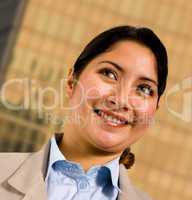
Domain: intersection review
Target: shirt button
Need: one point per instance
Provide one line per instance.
(83, 185)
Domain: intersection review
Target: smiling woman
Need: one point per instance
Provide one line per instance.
(114, 88)
(123, 98)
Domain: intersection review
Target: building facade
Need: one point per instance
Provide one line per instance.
(51, 35)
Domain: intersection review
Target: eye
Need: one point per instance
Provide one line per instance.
(145, 89)
(109, 73)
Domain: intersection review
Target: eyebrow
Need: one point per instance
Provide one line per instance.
(148, 79)
(118, 67)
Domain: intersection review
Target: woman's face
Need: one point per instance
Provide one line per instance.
(115, 98)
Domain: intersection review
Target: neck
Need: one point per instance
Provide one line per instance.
(81, 152)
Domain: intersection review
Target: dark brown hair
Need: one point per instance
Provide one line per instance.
(127, 158)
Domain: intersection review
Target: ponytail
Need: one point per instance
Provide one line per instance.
(127, 158)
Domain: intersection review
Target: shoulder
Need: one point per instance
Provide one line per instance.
(128, 188)
(142, 195)
(10, 162)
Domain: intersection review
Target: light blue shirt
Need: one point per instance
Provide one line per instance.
(67, 180)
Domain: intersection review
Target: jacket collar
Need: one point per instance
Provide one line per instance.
(127, 189)
(29, 178)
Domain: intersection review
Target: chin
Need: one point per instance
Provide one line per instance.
(111, 149)
(109, 145)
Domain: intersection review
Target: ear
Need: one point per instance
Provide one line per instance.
(70, 83)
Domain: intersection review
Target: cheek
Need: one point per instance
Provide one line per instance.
(77, 97)
(93, 92)
(149, 111)
(145, 112)
(88, 93)
(97, 91)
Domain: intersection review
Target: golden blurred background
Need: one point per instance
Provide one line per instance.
(39, 42)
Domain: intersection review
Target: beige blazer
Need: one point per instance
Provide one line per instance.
(22, 177)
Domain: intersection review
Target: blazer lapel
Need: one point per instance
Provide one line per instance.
(127, 190)
(37, 191)
(28, 179)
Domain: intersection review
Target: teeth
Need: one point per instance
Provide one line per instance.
(110, 118)
(101, 113)
(118, 121)
(115, 120)
(105, 116)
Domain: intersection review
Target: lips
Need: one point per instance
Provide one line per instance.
(112, 118)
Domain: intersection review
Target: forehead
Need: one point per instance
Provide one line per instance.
(131, 49)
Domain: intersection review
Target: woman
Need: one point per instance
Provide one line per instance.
(113, 93)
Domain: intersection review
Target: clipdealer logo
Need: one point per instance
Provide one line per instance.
(32, 92)
(34, 95)
(184, 87)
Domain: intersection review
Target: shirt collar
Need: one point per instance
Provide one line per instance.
(113, 167)
(56, 155)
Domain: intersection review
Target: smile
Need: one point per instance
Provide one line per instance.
(111, 118)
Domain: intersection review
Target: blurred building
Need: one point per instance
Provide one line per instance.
(45, 41)
(10, 17)
(19, 129)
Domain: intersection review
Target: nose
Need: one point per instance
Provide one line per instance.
(122, 98)
(116, 102)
